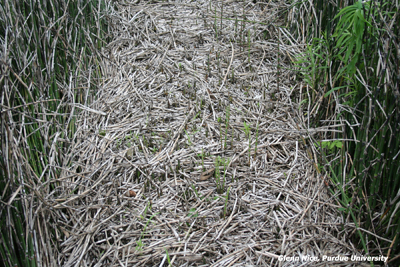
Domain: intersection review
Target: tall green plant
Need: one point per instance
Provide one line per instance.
(378, 130)
(349, 33)
(48, 48)
(359, 85)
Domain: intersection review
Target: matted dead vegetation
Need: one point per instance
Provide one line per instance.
(161, 167)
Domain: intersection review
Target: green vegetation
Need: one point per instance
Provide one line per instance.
(140, 244)
(193, 213)
(49, 63)
(351, 69)
(220, 181)
(168, 258)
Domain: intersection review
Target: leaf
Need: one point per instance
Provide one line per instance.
(349, 51)
(334, 89)
(338, 144)
(343, 39)
(343, 209)
(324, 145)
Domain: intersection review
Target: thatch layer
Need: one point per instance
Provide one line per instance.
(194, 152)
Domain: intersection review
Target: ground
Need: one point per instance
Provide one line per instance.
(196, 151)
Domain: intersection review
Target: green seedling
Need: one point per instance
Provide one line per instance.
(148, 206)
(265, 91)
(139, 243)
(218, 174)
(197, 114)
(102, 132)
(193, 213)
(220, 181)
(168, 259)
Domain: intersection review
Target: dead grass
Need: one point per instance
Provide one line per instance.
(174, 105)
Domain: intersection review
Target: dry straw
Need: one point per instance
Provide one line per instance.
(134, 193)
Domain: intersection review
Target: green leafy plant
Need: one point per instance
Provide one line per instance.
(313, 62)
(196, 191)
(332, 144)
(349, 33)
